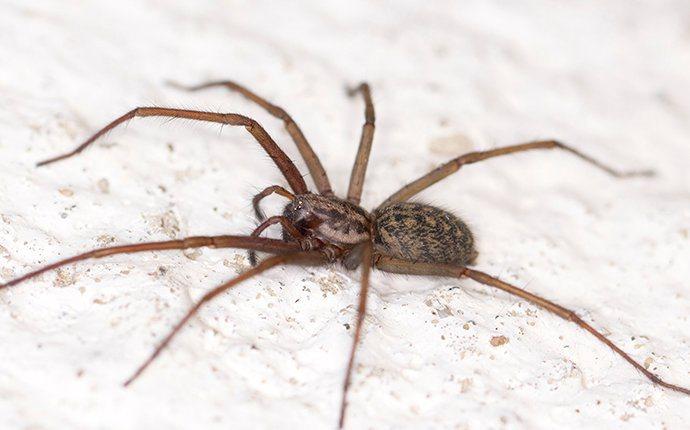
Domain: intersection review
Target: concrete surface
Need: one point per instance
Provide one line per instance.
(609, 77)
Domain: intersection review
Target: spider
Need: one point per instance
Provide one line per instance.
(320, 228)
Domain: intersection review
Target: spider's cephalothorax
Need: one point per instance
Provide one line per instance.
(328, 219)
(398, 236)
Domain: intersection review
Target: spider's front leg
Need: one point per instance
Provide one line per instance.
(241, 242)
(318, 173)
(281, 160)
(452, 166)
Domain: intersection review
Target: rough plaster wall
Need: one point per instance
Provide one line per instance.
(609, 77)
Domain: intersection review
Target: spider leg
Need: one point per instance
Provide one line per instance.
(286, 166)
(314, 165)
(393, 265)
(294, 258)
(277, 189)
(361, 312)
(290, 229)
(455, 164)
(359, 170)
(261, 217)
(242, 242)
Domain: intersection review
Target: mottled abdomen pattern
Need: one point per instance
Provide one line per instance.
(419, 232)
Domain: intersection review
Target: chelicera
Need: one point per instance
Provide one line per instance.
(319, 228)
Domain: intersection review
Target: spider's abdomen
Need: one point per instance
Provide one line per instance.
(419, 232)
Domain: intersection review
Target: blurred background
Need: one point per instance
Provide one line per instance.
(610, 78)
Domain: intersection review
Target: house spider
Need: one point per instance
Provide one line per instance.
(319, 228)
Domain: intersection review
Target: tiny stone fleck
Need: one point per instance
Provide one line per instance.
(648, 362)
(64, 278)
(499, 340)
(103, 186)
(192, 254)
(67, 192)
(170, 224)
(7, 273)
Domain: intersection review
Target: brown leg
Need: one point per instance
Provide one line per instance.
(310, 158)
(399, 266)
(305, 245)
(359, 170)
(361, 312)
(295, 258)
(455, 164)
(286, 166)
(242, 242)
(265, 193)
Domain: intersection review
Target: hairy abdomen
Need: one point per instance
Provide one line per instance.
(419, 232)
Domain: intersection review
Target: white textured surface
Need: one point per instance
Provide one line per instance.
(609, 77)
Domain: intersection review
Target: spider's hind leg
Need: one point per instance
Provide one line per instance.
(455, 164)
(394, 265)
